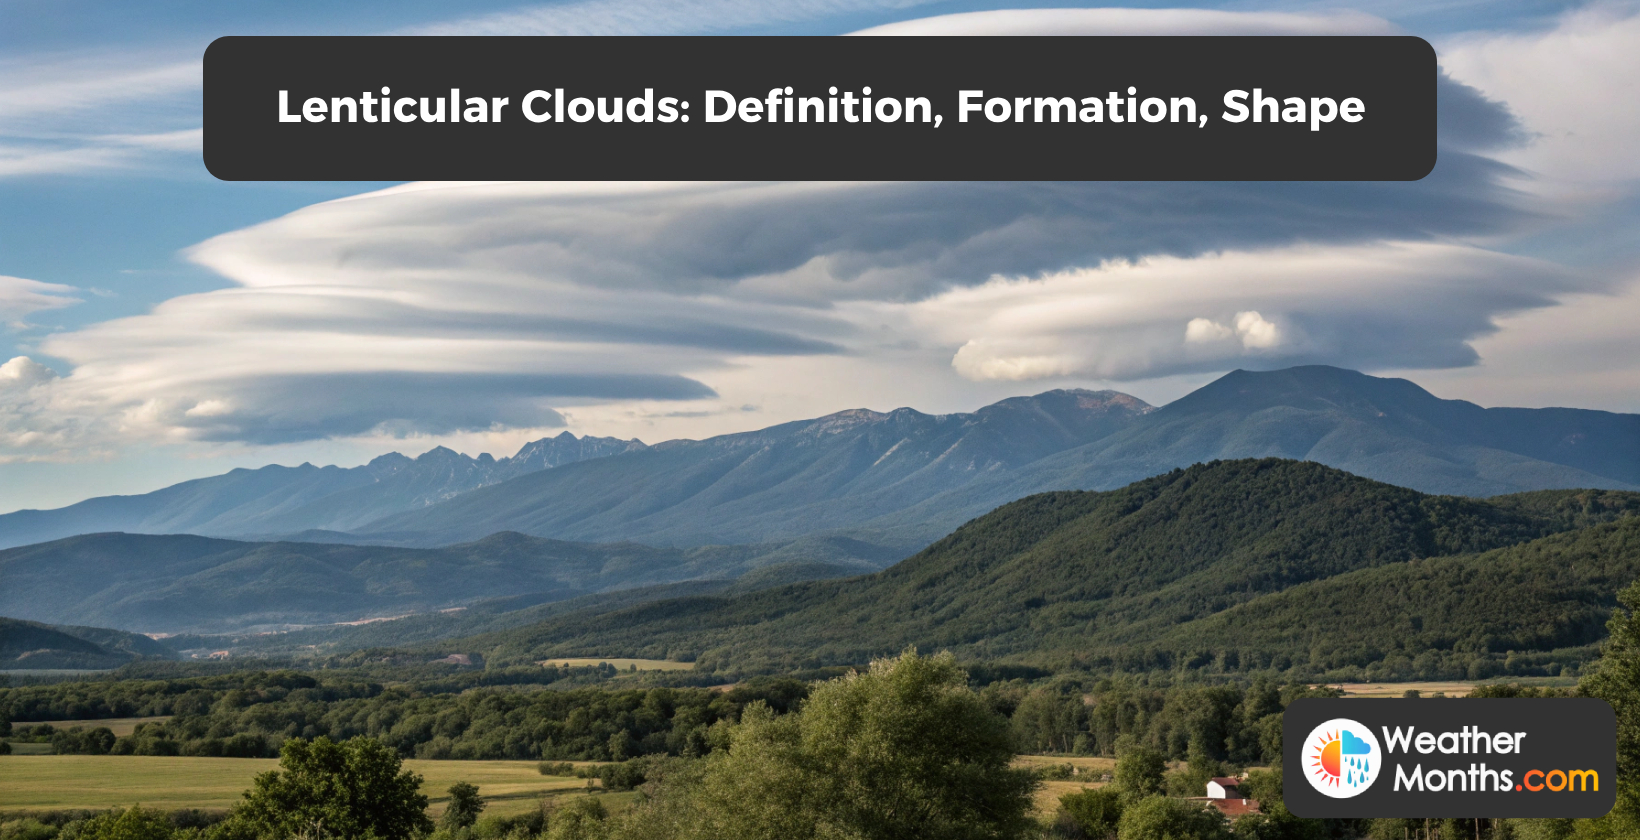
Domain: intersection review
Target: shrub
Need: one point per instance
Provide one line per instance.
(1164, 818)
(464, 808)
(1093, 813)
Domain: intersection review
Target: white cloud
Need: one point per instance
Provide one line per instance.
(57, 111)
(1203, 330)
(35, 424)
(653, 17)
(20, 297)
(22, 372)
(1398, 305)
(81, 154)
(475, 310)
(51, 84)
(458, 309)
(1581, 353)
(1139, 22)
(1574, 87)
(1257, 333)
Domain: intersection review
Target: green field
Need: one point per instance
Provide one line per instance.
(121, 727)
(86, 781)
(46, 782)
(1450, 689)
(624, 664)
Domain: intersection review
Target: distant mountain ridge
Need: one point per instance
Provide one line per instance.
(898, 479)
(182, 583)
(776, 483)
(279, 500)
(810, 476)
(30, 645)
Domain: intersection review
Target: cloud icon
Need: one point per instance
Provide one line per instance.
(1353, 745)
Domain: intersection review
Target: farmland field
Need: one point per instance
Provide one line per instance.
(624, 664)
(1450, 689)
(1089, 771)
(85, 781)
(509, 787)
(121, 727)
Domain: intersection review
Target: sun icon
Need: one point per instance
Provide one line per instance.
(1327, 761)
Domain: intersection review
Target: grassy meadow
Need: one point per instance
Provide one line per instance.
(1089, 768)
(121, 727)
(1450, 689)
(46, 782)
(167, 782)
(621, 664)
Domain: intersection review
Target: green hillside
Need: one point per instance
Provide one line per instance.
(1085, 578)
(1521, 603)
(28, 645)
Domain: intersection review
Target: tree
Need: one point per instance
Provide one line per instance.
(1617, 681)
(1164, 818)
(349, 790)
(465, 806)
(905, 749)
(1047, 721)
(135, 823)
(1192, 780)
(1095, 812)
(584, 818)
(1139, 772)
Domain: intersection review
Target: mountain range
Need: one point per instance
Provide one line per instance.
(1251, 564)
(854, 491)
(899, 479)
(283, 500)
(191, 584)
(904, 479)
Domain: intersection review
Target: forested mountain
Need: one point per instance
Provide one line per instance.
(1134, 578)
(1519, 603)
(282, 500)
(184, 583)
(28, 645)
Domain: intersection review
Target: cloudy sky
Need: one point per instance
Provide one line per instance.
(162, 325)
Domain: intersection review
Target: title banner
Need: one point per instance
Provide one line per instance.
(1524, 757)
(820, 108)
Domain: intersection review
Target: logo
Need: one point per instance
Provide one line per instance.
(1341, 758)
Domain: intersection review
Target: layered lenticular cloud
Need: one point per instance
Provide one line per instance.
(1400, 306)
(443, 308)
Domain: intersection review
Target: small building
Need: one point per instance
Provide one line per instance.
(1224, 787)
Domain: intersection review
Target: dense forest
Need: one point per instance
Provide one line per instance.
(494, 715)
(1155, 576)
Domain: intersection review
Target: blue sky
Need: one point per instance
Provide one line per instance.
(164, 325)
